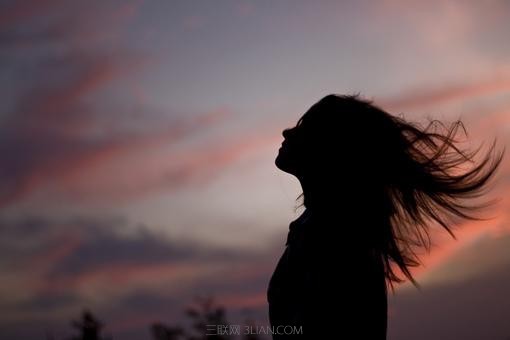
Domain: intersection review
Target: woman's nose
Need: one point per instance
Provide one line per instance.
(286, 133)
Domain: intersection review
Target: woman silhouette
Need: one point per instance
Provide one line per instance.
(372, 184)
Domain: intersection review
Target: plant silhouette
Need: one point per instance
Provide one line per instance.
(162, 332)
(203, 313)
(88, 327)
(208, 322)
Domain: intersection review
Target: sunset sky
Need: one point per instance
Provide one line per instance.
(138, 141)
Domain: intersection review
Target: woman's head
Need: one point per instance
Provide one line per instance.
(348, 153)
(340, 141)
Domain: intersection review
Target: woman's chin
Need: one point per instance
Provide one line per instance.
(279, 162)
(282, 163)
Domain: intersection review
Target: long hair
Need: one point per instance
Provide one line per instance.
(407, 175)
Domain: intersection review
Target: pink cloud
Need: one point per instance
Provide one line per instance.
(425, 97)
(445, 247)
(254, 300)
(479, 121)
(55, 137)
(23, 10)
(59, 141)
(39, 132)
(86, 171)
(143, 274)
(64, 246)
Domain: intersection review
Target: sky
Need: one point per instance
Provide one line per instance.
(138, 141)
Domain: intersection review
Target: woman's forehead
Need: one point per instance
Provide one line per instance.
(313, 116)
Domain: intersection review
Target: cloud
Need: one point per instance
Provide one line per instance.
(19, 12)
(472, 308)
(56, 137)
(32, 25)
(44, 134)
(425, 97)
(59, 138)
(116, 166)
(45, 125)
(484, 121)
(90, 259)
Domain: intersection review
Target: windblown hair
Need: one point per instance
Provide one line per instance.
(412, 176)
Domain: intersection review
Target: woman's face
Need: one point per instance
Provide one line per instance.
(290, 154)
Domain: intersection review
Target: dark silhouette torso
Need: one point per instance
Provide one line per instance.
(326, 284)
